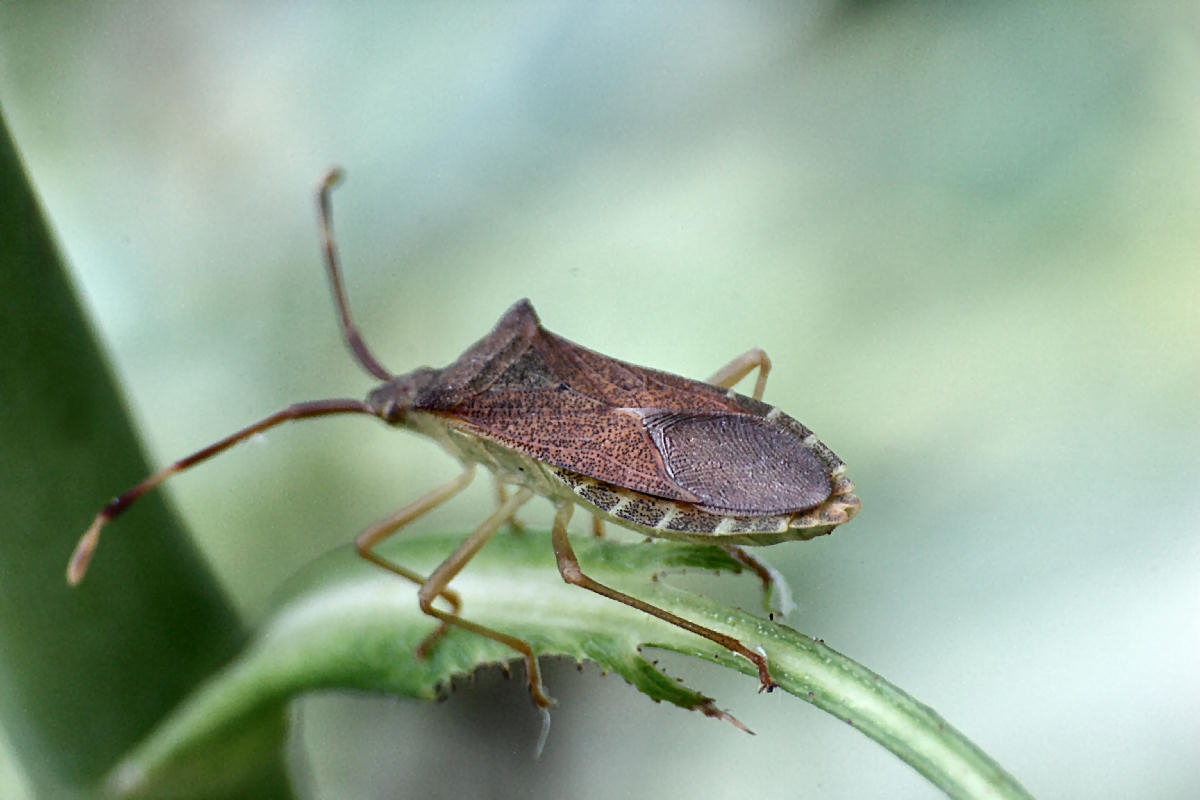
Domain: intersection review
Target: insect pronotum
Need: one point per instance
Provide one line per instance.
(650, 451)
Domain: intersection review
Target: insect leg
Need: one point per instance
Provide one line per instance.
(514, 524)
(597, 527)
(365, 542)
(454, 563)
(774, 584)
(742, 366)
(572, 573)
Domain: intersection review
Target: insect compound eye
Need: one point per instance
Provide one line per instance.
(387, 403)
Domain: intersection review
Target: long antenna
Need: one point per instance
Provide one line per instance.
(350, 333)
(82, 556)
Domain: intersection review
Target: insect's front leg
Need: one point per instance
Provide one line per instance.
(572, 573)
(367, 540)
(742, 366)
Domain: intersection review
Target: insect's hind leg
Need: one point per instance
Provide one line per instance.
(776, 591)
(742, 366)
(366, 541)
(572, 573)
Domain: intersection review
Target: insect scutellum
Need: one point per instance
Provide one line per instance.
(650, 451)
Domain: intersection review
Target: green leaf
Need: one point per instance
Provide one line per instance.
(344, 623)
(85, 673)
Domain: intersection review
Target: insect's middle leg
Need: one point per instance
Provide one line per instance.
(515, 525)
(572, 573)
(436, 585)
(742, 366)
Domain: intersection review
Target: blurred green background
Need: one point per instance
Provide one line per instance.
(967, 235)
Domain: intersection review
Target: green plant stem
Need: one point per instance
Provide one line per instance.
(346, 624)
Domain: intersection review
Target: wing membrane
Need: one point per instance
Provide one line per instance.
(642, 429)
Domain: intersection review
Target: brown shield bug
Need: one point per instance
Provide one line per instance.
(650, 451)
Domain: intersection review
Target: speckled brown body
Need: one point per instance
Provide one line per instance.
(651, 451)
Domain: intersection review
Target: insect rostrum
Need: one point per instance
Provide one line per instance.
(647, 450)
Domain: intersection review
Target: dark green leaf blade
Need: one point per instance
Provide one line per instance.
(85, 672)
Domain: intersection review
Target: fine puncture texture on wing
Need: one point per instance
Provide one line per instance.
(638, 428)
